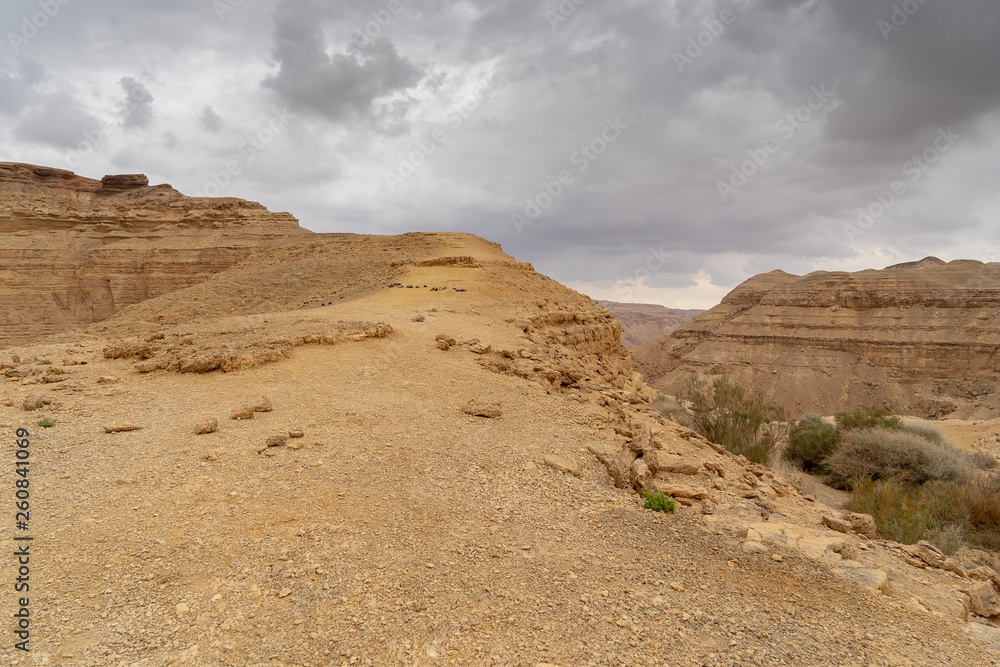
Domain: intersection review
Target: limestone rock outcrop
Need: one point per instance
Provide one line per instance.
(76, 250)
(920, 338)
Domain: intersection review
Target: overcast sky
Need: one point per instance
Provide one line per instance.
(639, 150)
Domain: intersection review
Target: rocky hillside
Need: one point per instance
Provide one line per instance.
(646, 322)
(417, 450)
(76, 250)
(921, 338)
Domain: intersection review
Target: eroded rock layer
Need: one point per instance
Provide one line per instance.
(920, 338)
(75, 250)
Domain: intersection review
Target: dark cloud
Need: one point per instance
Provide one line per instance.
(210, 121)
(138, 104)
(337, 86)
(703, 87)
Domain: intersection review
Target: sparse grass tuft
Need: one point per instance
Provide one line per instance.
(907, 513)
(47, 423)
(660, 502)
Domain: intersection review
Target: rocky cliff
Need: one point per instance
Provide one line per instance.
(647, 322)
(921, 338)
(75, 250)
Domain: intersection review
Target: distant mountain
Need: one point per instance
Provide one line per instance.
(921, 338)
(646, 322)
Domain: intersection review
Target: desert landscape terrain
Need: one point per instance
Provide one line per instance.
(403, 450)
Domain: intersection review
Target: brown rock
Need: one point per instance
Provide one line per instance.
(276, 441)
(447, 339)
(984, 600)
(482, 409)
(243, 412)
(263, 405)
(297, 433)
(122, 427)
(205, 426)
(33, 403)
(443, 345)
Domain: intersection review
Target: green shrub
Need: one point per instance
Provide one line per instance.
(47, 423)
(870, 416)
(810, 443)
(725, 414)
(907, 514)
(885, 453)
(660, 502)
(981, 501)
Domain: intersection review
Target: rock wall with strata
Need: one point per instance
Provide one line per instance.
(75, 250)
(921, 338)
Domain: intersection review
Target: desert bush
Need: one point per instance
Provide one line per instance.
(907, 513)
(869, 416)
(810, 442)
(886, 453)
(928, 434)
(725, 414)
(47, 422)
(659, 502)
(982, 461)
(981, 500)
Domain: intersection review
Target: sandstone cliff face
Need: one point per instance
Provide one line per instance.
(75, 250)
(921, 338)
(646, 322)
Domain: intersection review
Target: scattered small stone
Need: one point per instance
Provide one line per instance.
(244, 412)
(33, 403)
(776, 558)
(448, 339)
(182, 609)
(285, 592)
(676, 586)
(482, 409)
(276, 441)
(296, 433)
(418, 318)
(107, 379)
(443, 345)
(298, 444)
(123, 427)
(530, 467)
(263, 405)
(205, 426)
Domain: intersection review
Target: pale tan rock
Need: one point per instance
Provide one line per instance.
(562, 464)
(952, 565)
(121, 427)
(870, 578)
(296, 433)
(680, 491)
(983, 572)
(482, 409)
(984, 600)
(443, 345)
(205, 426)
(263, 405)
(242, 413)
